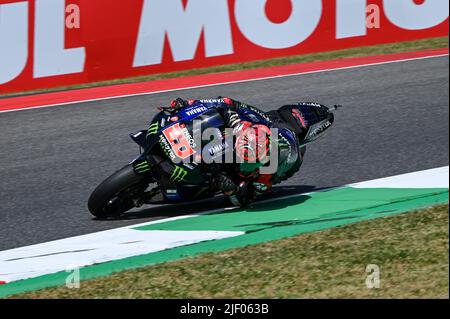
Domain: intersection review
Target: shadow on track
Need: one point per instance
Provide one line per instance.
(222, 202)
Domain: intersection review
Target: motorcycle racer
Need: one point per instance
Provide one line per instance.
(251, 127)
(181, 154)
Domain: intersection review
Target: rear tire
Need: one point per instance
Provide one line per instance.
(104, 201)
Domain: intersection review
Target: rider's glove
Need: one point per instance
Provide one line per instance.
(178, 103)
(175, 105)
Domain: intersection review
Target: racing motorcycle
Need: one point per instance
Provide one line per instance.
(157, 176)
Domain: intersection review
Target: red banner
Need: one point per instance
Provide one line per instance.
(51, 43)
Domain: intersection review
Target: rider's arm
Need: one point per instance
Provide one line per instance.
(229, 110)
(232, 109)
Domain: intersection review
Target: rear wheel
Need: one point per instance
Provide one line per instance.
(114, 195)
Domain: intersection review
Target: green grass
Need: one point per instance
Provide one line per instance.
(410, 249)
(433, 43)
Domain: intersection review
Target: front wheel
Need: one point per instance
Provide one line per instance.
(113, 196)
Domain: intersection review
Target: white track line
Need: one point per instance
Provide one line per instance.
(226, 83)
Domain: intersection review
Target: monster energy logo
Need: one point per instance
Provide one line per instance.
(178, 174)
(153, 129)
(142, 167)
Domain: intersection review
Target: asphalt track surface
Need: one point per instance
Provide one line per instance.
(395, 120)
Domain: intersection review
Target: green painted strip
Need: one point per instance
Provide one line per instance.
(266, 222)
(345, 204)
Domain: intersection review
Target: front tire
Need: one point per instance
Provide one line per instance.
(105, 201)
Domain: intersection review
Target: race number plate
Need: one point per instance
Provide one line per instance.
(180, 140)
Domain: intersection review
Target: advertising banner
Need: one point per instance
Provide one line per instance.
(53, 43)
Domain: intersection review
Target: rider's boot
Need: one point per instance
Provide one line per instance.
(225, 183)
